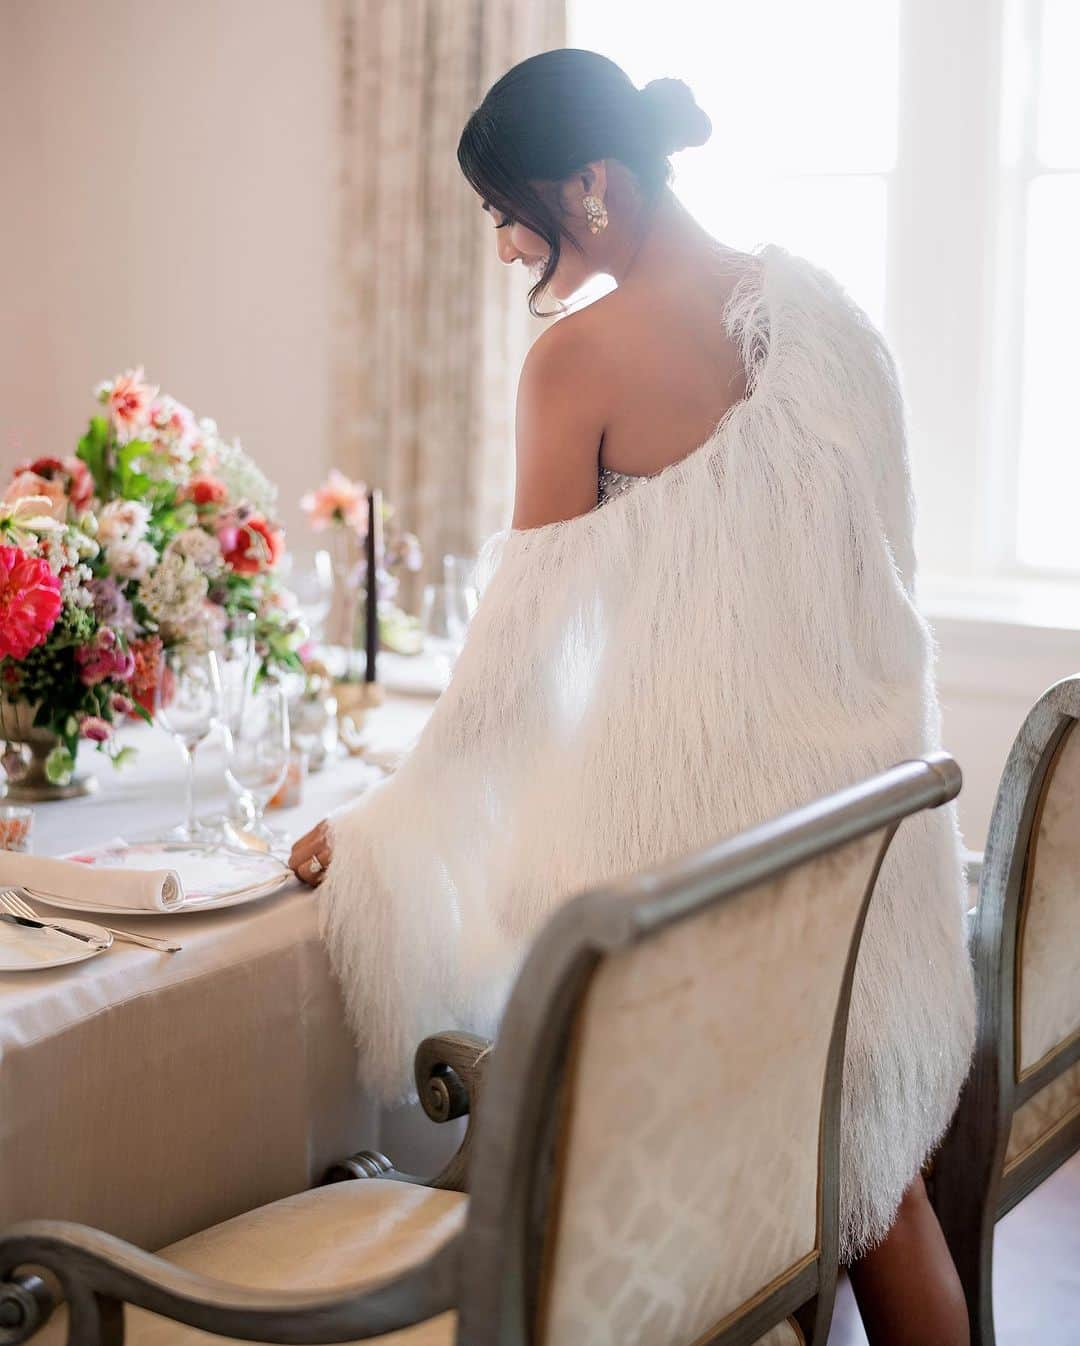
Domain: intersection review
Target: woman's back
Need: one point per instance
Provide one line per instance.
(665, 369)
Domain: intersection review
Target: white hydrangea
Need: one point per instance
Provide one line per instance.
(175, 591)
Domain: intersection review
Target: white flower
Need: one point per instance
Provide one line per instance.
(175, 591)
(199, 546)
(103, 391)
(122, 521)
(130, 560)
(244, 478)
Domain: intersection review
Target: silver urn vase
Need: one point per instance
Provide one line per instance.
(31, 785)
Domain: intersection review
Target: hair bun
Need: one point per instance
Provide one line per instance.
(679, 122)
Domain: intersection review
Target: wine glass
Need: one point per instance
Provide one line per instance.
(187, 701)
(312, 581)
(257, 754)
(459, 572)
(444, 620)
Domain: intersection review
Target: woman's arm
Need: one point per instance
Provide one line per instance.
(560, 424)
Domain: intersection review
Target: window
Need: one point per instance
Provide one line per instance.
(929, 156)
(1048, 190)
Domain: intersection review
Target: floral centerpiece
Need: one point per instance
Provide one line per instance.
(154, 534)
(341, 505)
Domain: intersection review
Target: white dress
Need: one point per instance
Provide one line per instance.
(727, 639)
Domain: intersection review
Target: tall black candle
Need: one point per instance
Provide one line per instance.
(373, 549)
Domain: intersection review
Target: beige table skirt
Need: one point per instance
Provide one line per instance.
(154, 1094)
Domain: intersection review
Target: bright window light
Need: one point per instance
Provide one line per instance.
(803, 101)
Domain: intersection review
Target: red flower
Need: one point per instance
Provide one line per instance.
(29, 602)
(206, 491)
(251, 546)
(143, 681)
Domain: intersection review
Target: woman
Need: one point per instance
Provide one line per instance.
(702, 617)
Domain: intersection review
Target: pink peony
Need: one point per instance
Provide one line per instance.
(104, 658)
(338, 500)
(29, 602)
(94, 728)
(129, 403)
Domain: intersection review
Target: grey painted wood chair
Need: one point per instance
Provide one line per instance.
(1019, 1113)
(656, 1157)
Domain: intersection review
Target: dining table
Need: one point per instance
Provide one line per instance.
(153, 1094)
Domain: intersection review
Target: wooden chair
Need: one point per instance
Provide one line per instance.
(656, 1158)
(1019, 1113)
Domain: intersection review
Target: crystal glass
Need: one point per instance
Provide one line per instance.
(187, 701)
(459, 572)
(444, 619)
(311, 579)
(257, 754)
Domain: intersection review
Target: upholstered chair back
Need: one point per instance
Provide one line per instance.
(1047, 992)
(672, 1060)
(1018, 1118)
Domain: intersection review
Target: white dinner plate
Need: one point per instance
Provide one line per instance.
(212, 876)
(23, 948)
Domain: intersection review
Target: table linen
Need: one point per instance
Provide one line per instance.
(155, 1094)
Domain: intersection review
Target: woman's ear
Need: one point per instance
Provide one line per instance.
(591, 180)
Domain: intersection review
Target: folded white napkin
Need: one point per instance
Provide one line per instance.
(72, 884)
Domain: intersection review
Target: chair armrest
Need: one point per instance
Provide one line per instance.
(100, 1273)
(449, 1071)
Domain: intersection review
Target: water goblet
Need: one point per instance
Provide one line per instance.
(187, 701)
(257, 756)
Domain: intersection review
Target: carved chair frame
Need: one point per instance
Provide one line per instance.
(969, 1187)
(489, 1273)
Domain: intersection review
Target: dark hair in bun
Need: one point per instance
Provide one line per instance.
(679, 122)
(550, 115)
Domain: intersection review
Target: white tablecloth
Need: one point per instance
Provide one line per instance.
(153, 1094)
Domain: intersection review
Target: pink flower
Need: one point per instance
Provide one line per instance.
(26, 484)
(338, 500)
(94, 728)
(251, 546)
(122, 705)
(29, 602)
(103, 658)
(129, 404)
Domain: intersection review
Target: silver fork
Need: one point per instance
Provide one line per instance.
(14, 899)
(12, 908)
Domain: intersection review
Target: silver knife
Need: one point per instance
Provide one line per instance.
(51, 925)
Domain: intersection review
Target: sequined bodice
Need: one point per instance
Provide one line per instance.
(612, 483)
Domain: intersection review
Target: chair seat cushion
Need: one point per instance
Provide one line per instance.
(349, 1232)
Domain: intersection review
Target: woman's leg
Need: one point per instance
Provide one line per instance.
(907, 1288)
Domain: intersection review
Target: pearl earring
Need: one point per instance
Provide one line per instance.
(595, 212)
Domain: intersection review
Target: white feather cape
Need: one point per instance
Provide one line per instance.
(720, 643)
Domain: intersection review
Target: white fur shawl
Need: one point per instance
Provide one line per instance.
(721, 642)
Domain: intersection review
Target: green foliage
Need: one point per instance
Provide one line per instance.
(94, 451)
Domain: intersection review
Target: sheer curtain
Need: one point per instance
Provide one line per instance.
(431, 328)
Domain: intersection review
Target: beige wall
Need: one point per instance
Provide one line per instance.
(168, 184)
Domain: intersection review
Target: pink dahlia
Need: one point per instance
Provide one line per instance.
(29, 602)
(129, 402)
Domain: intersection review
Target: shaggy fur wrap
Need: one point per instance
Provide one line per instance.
(725, 641)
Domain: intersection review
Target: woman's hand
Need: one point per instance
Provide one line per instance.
(310, 857)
